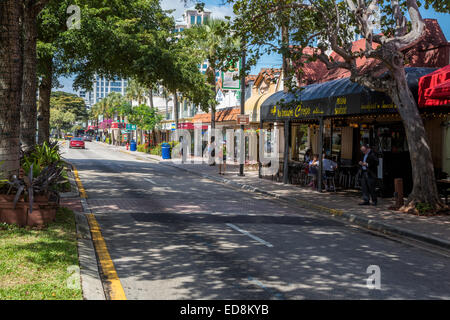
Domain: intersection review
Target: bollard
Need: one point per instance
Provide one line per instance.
(398, 186)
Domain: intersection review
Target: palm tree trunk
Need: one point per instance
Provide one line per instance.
(45, 90)
(10, 86)
(29, 87)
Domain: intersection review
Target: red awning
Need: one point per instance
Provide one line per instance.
(434, 88)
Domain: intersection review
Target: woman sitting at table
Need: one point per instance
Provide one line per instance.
(313, 166)
(329, 166)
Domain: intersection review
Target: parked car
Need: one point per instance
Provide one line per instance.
(87, 138)
(76, 143)
(68, 136)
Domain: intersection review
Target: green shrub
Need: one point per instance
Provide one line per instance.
(424, 208)
(157, 151)
(142, 148)
(40, 157)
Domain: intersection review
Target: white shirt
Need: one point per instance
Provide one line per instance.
(328, 165)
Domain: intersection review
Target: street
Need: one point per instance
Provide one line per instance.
(174, 235)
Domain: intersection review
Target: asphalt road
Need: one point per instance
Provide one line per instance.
(174, 235)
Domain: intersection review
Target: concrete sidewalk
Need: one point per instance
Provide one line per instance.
(433, 230)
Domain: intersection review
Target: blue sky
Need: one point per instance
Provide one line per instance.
(274, 61)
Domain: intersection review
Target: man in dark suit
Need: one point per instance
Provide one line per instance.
(369, 168)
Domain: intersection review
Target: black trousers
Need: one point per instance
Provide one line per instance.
(368, 184)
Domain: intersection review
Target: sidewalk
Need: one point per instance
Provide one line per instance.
(434, 230)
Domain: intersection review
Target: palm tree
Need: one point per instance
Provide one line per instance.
(10, 86)
(135, 92)
(210, 40)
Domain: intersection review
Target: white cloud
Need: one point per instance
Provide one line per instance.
(220, 12)
(178, 5)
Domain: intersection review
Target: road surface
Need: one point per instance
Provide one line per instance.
(175, 235)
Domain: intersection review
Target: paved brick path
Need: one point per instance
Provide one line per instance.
(436, 226)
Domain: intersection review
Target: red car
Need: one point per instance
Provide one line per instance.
(76, 143)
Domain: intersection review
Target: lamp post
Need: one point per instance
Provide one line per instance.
(241, 165)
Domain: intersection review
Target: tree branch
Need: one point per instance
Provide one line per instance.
(282, 8)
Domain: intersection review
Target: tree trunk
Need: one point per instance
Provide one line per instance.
(29, 86)
(10, 86)
(175, 105)
(151, 98)
(424, 182)
(45, 90)
(286, 71)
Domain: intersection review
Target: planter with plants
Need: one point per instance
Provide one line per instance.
(32, 199)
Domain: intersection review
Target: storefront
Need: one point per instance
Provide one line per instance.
(339, 117)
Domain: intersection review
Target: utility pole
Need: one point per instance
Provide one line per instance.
(241, 165)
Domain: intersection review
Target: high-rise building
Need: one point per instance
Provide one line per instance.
(101, 88)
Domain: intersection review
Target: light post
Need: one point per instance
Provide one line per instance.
(241, 165)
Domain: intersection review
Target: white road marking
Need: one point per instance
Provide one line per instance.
(250, 235)
(151, 181)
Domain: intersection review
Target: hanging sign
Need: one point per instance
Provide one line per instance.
(230, 76)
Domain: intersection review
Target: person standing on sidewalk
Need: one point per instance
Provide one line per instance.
(369, 169)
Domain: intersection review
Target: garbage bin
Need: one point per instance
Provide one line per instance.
(133, 146)
(165, 148)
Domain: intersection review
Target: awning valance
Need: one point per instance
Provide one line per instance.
(333, 98)
(434, 88)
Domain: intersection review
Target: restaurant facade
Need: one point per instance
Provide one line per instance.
(340, 116)
(336, 116)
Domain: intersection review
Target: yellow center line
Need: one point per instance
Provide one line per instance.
(106, 263)
(79, 184)
(109, 271)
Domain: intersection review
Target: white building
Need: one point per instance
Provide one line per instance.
(101, 88)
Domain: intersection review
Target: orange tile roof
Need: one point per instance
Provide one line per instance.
(229, 114)
(432, 51)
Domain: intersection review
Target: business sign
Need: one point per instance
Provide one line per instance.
(118, 125)
(242, 119)
(173, 127)
(230, 76)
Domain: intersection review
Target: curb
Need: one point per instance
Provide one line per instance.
(366, 223)
(91, 283)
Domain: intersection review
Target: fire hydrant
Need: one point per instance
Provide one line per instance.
(128, 144)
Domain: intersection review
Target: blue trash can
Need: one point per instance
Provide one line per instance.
(133, 146)
(165, 148)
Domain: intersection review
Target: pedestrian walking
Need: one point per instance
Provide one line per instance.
(369, 170)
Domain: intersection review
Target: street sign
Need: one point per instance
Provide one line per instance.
(242, 119)
(230, 77)
(131, 126)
